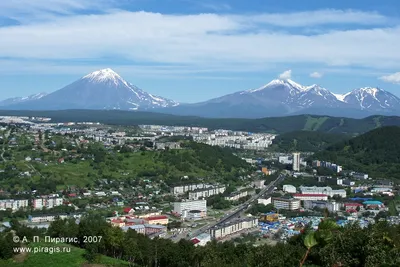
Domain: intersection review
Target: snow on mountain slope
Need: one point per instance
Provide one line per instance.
(370, 98)
(102, 89)
(282, 97)
(316, 95)
(16, 100)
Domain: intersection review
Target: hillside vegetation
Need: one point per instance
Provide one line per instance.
(376, 152)
(195, 160)
(275, 124)
(307, 141)
(330, 245)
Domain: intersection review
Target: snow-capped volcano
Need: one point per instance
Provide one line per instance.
(102, 89)
(291, 86)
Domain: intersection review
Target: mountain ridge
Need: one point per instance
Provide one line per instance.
(105, 89)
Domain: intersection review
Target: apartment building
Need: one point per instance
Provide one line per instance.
(12, 204)
(332, 206)
(185, 206)
(296, 162)
(311, 196)
(181, 189)
(229, 228)
(208, 192)
(235, 196)
(40, 203)
(286, 203)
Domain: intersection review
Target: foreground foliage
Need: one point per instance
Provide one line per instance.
(377, 245)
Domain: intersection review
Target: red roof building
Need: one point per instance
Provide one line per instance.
(128, 210)
(352, 207)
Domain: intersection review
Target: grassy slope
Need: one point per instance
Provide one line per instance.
(74, 258)
(276, 124)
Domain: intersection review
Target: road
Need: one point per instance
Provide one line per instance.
(236, 212)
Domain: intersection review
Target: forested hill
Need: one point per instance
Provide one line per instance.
(275, 124)
(376, 152)
(307, 141)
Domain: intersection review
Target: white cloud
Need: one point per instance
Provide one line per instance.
(198, 41)
(316, 74)
(322, 17)
(286, 75)
(392, 78)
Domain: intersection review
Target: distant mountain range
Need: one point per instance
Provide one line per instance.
(105, 89)
(286, 97)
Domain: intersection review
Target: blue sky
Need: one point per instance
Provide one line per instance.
(194, 50)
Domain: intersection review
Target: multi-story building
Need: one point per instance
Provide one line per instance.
(296, 162)
(311, 196)
(332, 206)
(208, 192)
(40, 203)
(237, 195)
(13, 204)
(185, 206)
(286, 203)
(229, 228)
(323, 190)
(181, 189)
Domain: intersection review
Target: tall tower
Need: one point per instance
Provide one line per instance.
(296, 161)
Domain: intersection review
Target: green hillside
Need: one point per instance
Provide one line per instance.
(376, 152)
(194, 160)
(275, 124)
(307, 141)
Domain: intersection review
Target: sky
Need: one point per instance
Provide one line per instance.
(195, 50)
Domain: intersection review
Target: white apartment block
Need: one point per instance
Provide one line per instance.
(208, 192)
(311, 197)
(40, 203)
(286, 203)
(296, 162)
(14, 205)
(323, 190)
(188, 205)
(218, 232)
(237, 195)
(179, 190)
